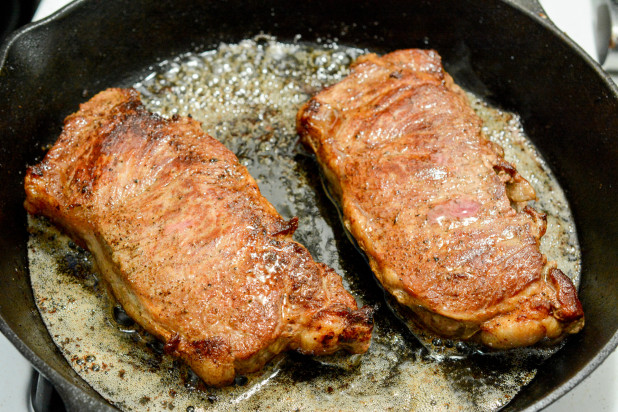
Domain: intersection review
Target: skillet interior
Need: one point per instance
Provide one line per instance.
(494, 48)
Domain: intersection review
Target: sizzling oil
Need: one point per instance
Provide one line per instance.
(247, 96)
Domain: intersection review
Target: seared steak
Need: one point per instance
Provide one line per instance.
(188, 245)
(438, 211)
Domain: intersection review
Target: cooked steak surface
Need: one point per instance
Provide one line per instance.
(186, 242)
(440, 214)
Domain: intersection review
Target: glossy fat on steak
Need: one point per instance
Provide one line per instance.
(438, 211)
(187, 243)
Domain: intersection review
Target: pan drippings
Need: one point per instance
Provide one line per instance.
(247, 96)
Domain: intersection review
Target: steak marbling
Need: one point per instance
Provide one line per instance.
(187, 243)
(440, 214)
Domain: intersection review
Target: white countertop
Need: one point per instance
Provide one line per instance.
(598, 392)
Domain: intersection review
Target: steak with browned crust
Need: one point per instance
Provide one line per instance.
(187, 243)
(440, 214)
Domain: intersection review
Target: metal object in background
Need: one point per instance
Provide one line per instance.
(43, 396)
(605, 14)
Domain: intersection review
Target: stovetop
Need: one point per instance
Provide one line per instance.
(598, 392)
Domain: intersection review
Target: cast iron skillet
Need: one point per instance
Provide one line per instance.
(505, 50)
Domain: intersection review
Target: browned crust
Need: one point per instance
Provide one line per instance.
(441, 215)
(188, 245)
(567, 307)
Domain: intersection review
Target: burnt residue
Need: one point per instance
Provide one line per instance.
(77, 264)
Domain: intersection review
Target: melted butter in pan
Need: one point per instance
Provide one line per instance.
(247, 96)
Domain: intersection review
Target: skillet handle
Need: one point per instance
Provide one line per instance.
(44, 397)
(75, 401)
